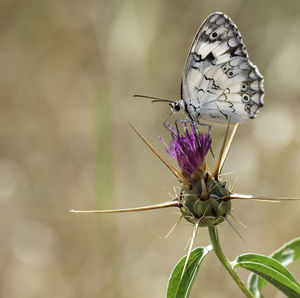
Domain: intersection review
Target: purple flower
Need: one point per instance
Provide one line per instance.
(188, 149)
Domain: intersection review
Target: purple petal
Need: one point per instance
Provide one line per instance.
(188, 149)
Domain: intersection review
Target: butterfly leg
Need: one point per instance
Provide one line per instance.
(166, 124)
(183, 123)
(209, 126)
(194, 124)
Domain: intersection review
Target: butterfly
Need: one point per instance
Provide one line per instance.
(219, 81)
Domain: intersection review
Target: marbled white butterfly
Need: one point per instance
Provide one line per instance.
(219, 81)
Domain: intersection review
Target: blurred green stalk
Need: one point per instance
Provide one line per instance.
(104, 168)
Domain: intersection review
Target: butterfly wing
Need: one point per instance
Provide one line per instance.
(219, 81)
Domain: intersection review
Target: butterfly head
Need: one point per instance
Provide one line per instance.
(177, 106)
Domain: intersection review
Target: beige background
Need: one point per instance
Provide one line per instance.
(68, 71)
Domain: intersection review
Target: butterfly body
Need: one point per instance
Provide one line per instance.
(219, 81)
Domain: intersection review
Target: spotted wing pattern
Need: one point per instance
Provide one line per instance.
(219, 81)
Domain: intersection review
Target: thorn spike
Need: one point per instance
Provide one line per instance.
(226, 151)
(216, 170)
(173, 228)
(175, 171)
(196, 226)
(235, 196)
(145, 208)
(233, 227)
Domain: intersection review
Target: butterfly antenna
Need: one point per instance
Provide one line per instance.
(154, 99)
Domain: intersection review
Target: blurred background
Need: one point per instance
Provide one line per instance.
(68, 73)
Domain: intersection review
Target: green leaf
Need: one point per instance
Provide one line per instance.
(272, 271)
(286, 255)
(181, 287)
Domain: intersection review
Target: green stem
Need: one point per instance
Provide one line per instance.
(218, 251)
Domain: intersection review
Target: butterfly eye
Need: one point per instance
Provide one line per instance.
(177, 107)
(245, 98)
(244, 87)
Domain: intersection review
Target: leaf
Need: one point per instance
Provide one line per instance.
(180, 287)
(286, 255)
(272, 271)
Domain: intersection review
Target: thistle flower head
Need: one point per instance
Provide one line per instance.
(188, 149)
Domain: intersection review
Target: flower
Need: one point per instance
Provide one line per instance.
(188, 149)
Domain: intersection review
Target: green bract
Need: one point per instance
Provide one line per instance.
(210, 208)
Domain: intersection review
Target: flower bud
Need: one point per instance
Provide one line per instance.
(211, 206)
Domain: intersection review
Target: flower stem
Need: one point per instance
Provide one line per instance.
(218, 251)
